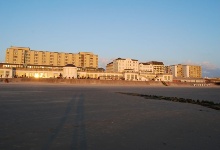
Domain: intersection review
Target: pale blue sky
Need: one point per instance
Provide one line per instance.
(172, 31)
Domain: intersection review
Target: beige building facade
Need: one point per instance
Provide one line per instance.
(72, 72)
(146, 67)
(8, 70)
(158, 67)
(109, 67)
(122, 64)
(132, 65)
(186, 71)
(192, 71)
(24, 55)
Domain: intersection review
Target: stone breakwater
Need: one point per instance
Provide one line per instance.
(95, 81)
(204, 103)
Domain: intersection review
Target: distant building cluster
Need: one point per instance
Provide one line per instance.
(121, 65)
(24, 62)
(154, 67)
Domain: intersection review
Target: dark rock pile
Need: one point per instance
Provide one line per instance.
(204, 103)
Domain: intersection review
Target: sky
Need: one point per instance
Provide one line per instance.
(171, 31)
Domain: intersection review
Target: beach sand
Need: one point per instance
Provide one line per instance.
(93, 117)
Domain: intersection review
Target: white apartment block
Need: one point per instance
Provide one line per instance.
(121, 65)
(154, 67)
(146, 68)
(132, 65)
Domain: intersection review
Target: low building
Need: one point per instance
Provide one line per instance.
(70, 71)
(37, 71)
(164, 77)
(193, 80)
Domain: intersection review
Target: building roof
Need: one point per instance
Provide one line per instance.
(70, 65)
(186, 65)
(145, 63)
(125, 59)
(134, 59)
(120, 59)
(110, 63)
(155, 63)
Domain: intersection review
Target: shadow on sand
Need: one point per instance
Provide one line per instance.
(79, 133)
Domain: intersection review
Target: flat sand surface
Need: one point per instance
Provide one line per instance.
(92, 117)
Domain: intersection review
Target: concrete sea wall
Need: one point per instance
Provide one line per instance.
(95, 81)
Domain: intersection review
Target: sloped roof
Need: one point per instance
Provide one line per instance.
(120, 59)
(145, 63)
(155, 63)
(70, 65)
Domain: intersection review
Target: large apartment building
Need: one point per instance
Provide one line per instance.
(187, 71)
(24, 55)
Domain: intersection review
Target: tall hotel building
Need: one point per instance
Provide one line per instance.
(23, 55)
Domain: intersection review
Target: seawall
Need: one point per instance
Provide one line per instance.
(95, 81)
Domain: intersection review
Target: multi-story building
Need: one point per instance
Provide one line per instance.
(192, 71)
(186, 71)
(88, 59)
(109, 67)
(158, 67)
(167, 69)
(121, 65)
(23, 55)
(146, 67)
(177, 70)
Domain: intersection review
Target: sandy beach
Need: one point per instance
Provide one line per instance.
(42, 116)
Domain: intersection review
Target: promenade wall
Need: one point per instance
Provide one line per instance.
(79, 81)
(93, 81)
